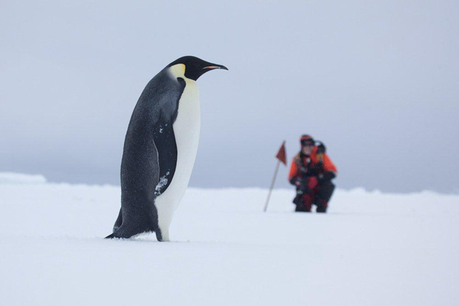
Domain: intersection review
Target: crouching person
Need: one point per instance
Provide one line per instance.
(311, 172)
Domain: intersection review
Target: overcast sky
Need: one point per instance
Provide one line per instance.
(376, 81)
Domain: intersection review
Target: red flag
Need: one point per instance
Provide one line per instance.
(282, 155)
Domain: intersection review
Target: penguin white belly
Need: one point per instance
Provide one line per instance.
(186, 130)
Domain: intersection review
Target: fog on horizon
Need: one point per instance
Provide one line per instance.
(377, 82)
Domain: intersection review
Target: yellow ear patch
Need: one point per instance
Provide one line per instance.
(178, 70)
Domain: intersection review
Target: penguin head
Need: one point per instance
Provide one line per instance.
(195, 67)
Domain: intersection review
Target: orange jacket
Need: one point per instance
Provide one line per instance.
(314, 159)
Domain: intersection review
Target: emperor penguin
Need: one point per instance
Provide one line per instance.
(160, 149)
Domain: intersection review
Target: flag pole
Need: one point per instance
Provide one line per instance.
(272, 185)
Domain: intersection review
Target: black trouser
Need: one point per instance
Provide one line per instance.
(323, 196)
(319, 196)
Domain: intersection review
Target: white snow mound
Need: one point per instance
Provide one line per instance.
(21, 178)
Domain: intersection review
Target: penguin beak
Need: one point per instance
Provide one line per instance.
(214, 66)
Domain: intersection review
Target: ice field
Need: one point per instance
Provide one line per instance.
(370, 249)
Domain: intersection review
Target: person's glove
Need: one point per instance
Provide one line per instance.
(302, 187)
(297, 181)
(294, 180)
(327, 176)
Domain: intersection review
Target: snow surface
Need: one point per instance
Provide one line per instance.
(370, 249)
